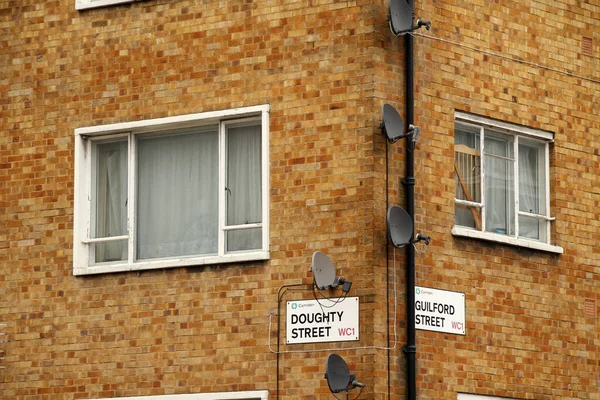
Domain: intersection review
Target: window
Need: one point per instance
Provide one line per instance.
(176, 191)
(502, 182)
(83, 4)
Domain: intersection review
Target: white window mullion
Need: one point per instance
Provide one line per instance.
(516, 184)
(266, 191)
(547, 186)
(105, 239)
(222, 186)
(468, 203)
(482, 183)
(131, 201)
(83, 203)
(88, 200)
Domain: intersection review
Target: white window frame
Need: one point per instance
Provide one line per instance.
(516, 131)
(82, 240)
(85, 4)
(249, 395)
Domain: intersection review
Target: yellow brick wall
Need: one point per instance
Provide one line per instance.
(325, 68)
(183, 330)
(528, 335)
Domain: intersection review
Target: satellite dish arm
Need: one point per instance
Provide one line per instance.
(413, 131)
(420, 23)
(419, 238)
(356, 383)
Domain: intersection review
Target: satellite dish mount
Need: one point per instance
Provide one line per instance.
(400, 18)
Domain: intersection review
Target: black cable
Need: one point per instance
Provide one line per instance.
(358, 395)
(337, 301)
(279, 297)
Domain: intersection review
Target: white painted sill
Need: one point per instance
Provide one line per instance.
(85, 4)
(495, 237)
(103, 268)
(250, 395)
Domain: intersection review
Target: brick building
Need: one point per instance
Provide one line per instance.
(123, 276)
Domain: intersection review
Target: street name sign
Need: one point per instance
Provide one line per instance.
(439, 310)
(326, 320)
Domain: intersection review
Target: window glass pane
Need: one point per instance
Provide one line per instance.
(530, 227)
(499, 184)
(467, 135)
(244, 186)
(499, 145)
(532, 182)
(532, 189)
(467, 175)
(243, 239)
(467, 216)
(177, 196)
(109, 199)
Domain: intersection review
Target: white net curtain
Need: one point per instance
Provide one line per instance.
(177, 193)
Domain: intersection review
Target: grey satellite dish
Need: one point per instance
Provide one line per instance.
(400, 16)
(393, 125)
(400, 226)
(323, 271)
(338, 375)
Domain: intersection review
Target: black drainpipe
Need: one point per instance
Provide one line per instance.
(409, 183)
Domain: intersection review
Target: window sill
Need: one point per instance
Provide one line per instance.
(250, 395)
(85, 4)
(171, 263)
(494, 237)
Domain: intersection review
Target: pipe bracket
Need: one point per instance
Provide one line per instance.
(409, 349)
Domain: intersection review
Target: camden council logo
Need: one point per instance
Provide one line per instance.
(301, 304)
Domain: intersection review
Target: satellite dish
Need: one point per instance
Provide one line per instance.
(400, 16)
(393, 126)
(337, 373)
(323, 270)
(400, 226)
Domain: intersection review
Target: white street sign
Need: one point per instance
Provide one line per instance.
(326, 320)
(440, 310)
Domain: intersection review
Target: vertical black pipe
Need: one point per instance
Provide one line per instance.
(409, 182)
(387, 277)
